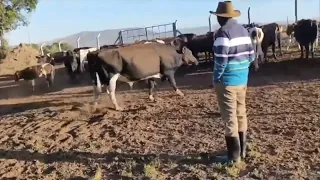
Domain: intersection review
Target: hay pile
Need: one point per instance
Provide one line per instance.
(18, 58)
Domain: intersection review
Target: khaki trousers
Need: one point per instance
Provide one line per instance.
(232, 105)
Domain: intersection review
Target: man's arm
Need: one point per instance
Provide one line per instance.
(251, 54)
(221, 51)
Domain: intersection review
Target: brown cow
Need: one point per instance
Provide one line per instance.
(33, 72)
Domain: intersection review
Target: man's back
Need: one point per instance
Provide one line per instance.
(233, 54)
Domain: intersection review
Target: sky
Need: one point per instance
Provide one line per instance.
(59, 18)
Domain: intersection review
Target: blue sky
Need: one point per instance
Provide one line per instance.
(58, 18)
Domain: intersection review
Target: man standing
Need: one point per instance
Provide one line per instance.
(233, 54)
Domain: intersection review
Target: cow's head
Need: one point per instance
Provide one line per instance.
(290, 29)
(45, 59)
(17, 76)
(187, 56)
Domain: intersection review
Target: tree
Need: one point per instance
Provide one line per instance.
(54, 47)
(13, 13)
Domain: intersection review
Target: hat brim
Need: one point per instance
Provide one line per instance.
(235, 13)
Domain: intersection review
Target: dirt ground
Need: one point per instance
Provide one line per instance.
(52, 134)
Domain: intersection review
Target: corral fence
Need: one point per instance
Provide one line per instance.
(129, 36)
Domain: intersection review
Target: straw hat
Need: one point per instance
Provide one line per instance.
(225, 9)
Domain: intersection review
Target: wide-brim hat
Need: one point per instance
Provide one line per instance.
(226, 9)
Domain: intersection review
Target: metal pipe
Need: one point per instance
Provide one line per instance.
(210, 21)
(98, 41)
(296, 9)
(249, 19)
(78, 42)
(60, 46)
(41, 48)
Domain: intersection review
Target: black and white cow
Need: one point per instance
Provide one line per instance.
(137, 62)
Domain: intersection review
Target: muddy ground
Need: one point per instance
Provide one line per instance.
(52, 134)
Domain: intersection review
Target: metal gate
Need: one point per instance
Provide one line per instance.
(158, 31)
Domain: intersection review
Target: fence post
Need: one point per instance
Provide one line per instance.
(78, 42)
(98, 41)
(146, 31)
(174, 28)
(210, 22)
(60, 46)
(41, 48)
(120, 37)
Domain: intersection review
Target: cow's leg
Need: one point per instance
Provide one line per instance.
(151, 84)
(265, 50)
(256, 63)
(33, 83)
(49, 78)
(131, 85)
(312, 50)
(307, 51)
(279, 43)
(112, 89)
(172, 81)
(274, 51)
(301, 51)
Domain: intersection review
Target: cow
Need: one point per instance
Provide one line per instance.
(109, 46)
(290, 34)
(135, 63)
(187, 37)
(306, 32)
(272, 34)
(256, 34)
(201, 43)
(154, 41)
(72, 64)
(33, 72)
(42, 59)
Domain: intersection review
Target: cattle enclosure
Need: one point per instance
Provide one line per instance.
(54, 135)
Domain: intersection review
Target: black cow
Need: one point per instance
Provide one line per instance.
(305, 32)
(72, 64)
(187, 37)
(272, 33)
(202, 43)
(137, 62)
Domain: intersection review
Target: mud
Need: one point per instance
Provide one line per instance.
(52, 134)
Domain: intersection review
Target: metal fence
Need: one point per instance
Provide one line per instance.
(157, 31)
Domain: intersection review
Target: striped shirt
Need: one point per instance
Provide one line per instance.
(233, 54)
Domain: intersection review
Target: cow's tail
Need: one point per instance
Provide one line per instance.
(278, 35)
(98, 83)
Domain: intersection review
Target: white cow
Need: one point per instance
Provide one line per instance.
(256, 35)
(156, 40)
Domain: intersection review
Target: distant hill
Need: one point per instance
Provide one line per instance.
(88, 38)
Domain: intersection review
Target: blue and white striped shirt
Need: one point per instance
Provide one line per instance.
(233, 54)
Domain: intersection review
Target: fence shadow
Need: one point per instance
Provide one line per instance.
(6, 109)
(86, 158)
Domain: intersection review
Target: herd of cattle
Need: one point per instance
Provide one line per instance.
(159, 58)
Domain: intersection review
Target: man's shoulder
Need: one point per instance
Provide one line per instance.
(231, 29)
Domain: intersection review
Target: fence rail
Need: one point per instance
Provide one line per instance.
(131, 35)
